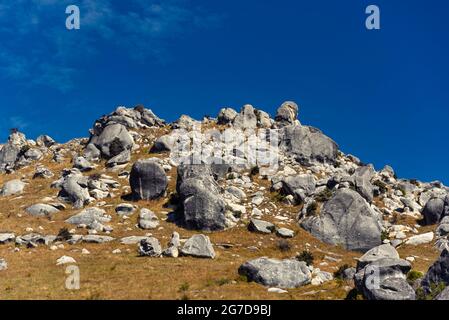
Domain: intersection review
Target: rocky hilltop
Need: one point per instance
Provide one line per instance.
(233, 207)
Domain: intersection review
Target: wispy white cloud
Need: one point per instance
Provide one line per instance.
(37, 49)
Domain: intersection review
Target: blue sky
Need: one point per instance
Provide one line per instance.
(381, 95)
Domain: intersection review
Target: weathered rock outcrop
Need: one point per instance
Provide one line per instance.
(347, 220)
(308, 144)
(202, 206)
(381, 275)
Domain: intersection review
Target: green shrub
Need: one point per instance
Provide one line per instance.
(435, 290)
(384, 236)
(339, 273)
(324, 195)
(63, 235)
(306, 256)
(278, 197)
(414, 275)
(184, 287)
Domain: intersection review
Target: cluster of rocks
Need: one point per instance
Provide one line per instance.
(19, 152)
(80, 190)
(111, 138)
(32, 240)
(198, 246)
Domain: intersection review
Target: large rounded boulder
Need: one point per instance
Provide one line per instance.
(433, 211)
(148, 180)
(346, 220)
(203, 206)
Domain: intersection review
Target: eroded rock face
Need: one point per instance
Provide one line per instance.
(362, 180)
(148, 180)
(347, 220)
(246, 119)
(308, 144)
(287, 114)
(202, 204)
(277, 273)
(381, 275)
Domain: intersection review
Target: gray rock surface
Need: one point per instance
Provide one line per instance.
(287, 113)
(7, 237)
(362, 180)
(260, 226)
(150, 247)
(13, 187)
(125, 209)
(148, 220)
(347, 220)
(120, 159)
(377, 253)
(41, 210)
(384, 279)
(226, 115)
(202, 204)
(299, 186)
(113, 140)
(308, 145)
(148, 180)
(277, 273)
(74, 190)
(246, 119)
(433, 211)
(285, 233)
(92, 218)
(198, 246)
